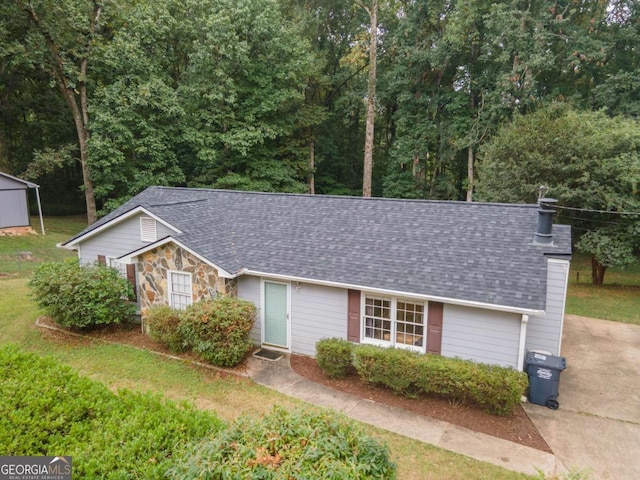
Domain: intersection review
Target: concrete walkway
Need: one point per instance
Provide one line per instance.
(597, 427)
(279, 376)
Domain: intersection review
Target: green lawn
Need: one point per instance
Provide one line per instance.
(618, 299)
(123, 366)
(43, 248)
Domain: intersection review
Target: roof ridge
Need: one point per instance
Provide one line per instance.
(346, 197)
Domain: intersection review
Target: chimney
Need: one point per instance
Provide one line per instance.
(543, 234)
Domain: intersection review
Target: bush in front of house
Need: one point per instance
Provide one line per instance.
(163, 323)
(218, 330)
(495, 389)
(299, 444)
(334, 356)
(82, 297)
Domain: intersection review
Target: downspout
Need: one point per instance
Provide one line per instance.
(40, 209)
(523, 337)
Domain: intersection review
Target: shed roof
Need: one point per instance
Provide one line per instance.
(477, 252)
(18, 182)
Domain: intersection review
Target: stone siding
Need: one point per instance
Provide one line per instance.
(152, 268)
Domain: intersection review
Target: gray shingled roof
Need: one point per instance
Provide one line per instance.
(477, 252)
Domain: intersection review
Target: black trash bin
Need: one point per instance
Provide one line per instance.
(544, 378)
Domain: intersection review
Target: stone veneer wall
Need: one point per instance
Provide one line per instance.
(152, 267)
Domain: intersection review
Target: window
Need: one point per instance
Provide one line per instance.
(410, 324)
(394, 322)
(377, 318)
(118, 265)
(180, 296)
(148, 229)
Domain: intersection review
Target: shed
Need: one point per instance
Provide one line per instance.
(14, 204)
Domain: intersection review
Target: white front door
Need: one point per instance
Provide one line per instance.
(276, 314)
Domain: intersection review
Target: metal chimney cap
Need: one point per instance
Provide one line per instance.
(550, 203)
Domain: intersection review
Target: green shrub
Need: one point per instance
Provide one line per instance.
(496, 389)
(218, 330)
(163, 323)
(82, 297)
(46, 408)
(284, 445)
(334, 356)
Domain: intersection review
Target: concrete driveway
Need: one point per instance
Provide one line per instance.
(597, 427)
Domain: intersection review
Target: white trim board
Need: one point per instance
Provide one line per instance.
(115, 221)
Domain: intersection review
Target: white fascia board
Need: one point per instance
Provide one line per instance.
(25, 182)
(163, 241)
(396, 293)
(117, 220)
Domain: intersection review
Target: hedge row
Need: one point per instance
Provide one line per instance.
(496, 389)
(47, 409)
(216, 330)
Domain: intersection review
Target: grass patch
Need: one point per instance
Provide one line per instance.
(43, 248)
(617, 300)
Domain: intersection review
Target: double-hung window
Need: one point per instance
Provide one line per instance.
(394, 322)
(180, 293)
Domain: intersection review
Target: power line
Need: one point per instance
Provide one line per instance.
(595, 211)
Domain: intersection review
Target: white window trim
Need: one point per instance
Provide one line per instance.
(394, 322)
(148, 232)
(170, 291)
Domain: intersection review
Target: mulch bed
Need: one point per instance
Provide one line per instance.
(516, 427)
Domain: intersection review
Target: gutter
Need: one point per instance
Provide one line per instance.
(433, 298)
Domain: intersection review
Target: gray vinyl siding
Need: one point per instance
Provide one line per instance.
(481, 335)
(13, 207)
(249, 289)
(316, 312)
(118, 240)
(545, 332)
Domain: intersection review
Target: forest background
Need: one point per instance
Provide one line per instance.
(450, 99)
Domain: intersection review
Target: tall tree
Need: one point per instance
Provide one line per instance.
(60, 41)
(591, 164)
(367, 175)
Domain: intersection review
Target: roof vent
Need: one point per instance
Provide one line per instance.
(544, 234)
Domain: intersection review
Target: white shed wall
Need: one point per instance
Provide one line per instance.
(13, 208)
(481, 335)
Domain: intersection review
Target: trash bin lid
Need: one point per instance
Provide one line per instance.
(545, 360)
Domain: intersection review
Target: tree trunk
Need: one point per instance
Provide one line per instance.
(597, 272)
(371, 100)
(312, 168)
(470, 174)
(78, 106)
